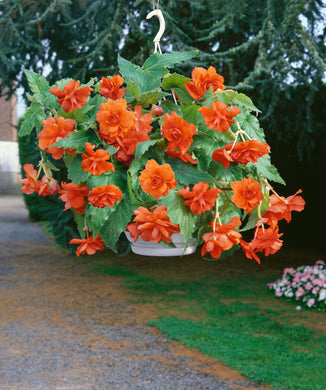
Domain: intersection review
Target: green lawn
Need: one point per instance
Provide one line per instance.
(224, 309)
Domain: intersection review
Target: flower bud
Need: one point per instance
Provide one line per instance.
(157, 110)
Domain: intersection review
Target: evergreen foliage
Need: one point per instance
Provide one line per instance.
(264, 46)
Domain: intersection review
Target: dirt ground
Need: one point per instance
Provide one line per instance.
(63, 327)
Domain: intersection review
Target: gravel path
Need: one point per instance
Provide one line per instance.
(64, 328)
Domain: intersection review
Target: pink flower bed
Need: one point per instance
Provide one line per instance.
(305, 285)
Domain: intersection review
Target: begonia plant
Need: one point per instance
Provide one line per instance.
(153, 152)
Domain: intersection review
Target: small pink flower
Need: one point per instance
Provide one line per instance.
(311, 302)
(300, 291)
(320, 262)
(308, 286)
(315, 290)
(289, 271)
(278, 293)
(319, 282)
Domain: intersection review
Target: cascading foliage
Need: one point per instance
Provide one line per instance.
(153, 152)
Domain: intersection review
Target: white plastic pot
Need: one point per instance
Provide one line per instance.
(149, 248)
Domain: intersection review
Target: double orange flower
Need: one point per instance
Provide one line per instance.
(203, 80)
(156, 179)
(95, 162)
(201, 198)
(72, 97)
(54, 129)
(241, 152)
(152, 225)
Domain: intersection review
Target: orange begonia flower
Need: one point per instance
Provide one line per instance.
(95, 161)
(71, 98)
(156, 179)
(178, 132)
(115, 120)
(222, 238)
(74, 196)
(265, 240)
(30, 184)
(249, 250)
(219, 117)
(88, 245)
(281, 208)
(127, 143)
(53, 131)
(241, 152)
(48, 187)
(152, 226)
(143, 122)
(110, 87)
(247, 193)
(202, 80)
(201, 198)
(105, 196)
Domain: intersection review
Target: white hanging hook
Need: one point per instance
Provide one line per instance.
(156, 40)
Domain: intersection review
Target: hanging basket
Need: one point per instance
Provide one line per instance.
(149, 248)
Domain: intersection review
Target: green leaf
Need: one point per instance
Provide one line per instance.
(133, 90)
(38, 84)
(247, 102)
(204, 146)
(32, 119)
(143, 79)
(142, 148)
(151, 97)
(93, 106)
(227, 209)
(80, 222)
(52, 166)
(180, 214)
(62, 83)
(251, 126)
(174, 80)
(75, 173)
(110, 149)
(98, 181)
(117, 178)
(97, 217)
(251, 223)
(239, 99)
(183, 95)
(78, 139)
(223, 97)
(187, 174)
(170, 106)
(232, 173)
(117, 222)
(267, 170)
(190, 113)
(157, 63)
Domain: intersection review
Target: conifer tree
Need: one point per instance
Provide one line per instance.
(273, 50)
